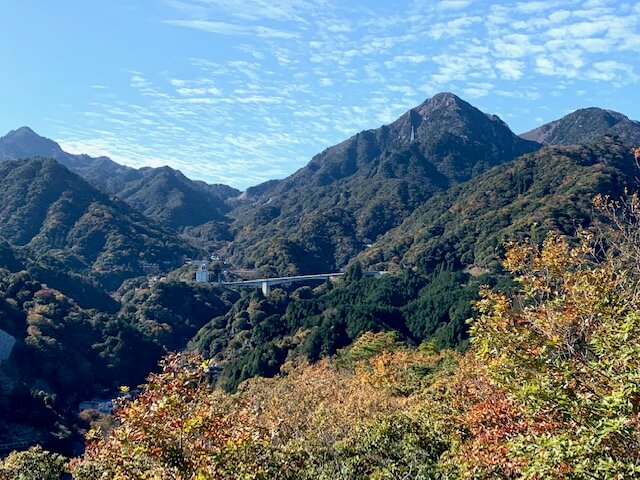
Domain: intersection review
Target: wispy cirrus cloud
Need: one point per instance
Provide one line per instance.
(225, 28)
(284, 80)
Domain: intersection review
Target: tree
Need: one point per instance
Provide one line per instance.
(564, 354)
(178, 428)
(354, 272)
(33, 464)
(359, 420)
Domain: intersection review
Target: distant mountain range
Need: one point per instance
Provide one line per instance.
(432, 197)
(346, 198)
(101, 171)
(163, 194)
(62, 220)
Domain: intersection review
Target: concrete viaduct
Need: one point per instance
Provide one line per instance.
(266, 283)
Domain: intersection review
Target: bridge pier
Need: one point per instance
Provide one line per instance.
(266, 288)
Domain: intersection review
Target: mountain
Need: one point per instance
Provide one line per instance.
(101, 171)
(351, 193)
(169, 197)
(585, 125)
(68, 224)
(467, 226)
(162, 194)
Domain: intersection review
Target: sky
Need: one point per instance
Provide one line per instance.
(242, 91)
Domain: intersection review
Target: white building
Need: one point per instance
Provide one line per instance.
(202, 274)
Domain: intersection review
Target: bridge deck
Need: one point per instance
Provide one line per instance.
(275, 280)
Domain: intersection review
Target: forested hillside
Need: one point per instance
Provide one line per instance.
(65, 353)
(468, 225)
(321, 216)
(547, 390)
(66, 223)
(258, 335)
(162, 194)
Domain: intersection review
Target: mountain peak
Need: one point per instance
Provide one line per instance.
(584, 125)
(22, 131)
(444, 99)
(609, 117)
(25, 143)
(24, 134)
(447, 114)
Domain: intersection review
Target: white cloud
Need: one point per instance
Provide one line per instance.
(452, 28)
(527, 93)
(515, 45)
(285, 79)
(552, 67)
(578, 30)
(453, 4)
(510, 69)
(416, 58)
(400, 61)
(613, 71)
(178, 83)
(223, 28)
(402, 89)
(535, 6)
(477, 90)
(559, 16)
(226, 28)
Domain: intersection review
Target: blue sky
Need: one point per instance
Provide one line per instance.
(241, 91)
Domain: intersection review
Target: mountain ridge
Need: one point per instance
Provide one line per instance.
(352, 192)
(345, 198)
(584, 125)
(163, 193)
(466, 227)
(66, 222)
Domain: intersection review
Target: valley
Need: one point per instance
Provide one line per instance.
(392, 234)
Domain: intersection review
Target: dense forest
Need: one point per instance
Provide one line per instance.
(348, 195)
(65, 354)
(547, 390)
(547, 190)
(499, 342)
(258, 335)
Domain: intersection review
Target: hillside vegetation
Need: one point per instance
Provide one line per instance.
(63, 221)
(548, 390)
(468, 225)
(258, 335)
(66, 353)
(317, 219)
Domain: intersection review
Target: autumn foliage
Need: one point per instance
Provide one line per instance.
(550, 388)
(563, 354)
